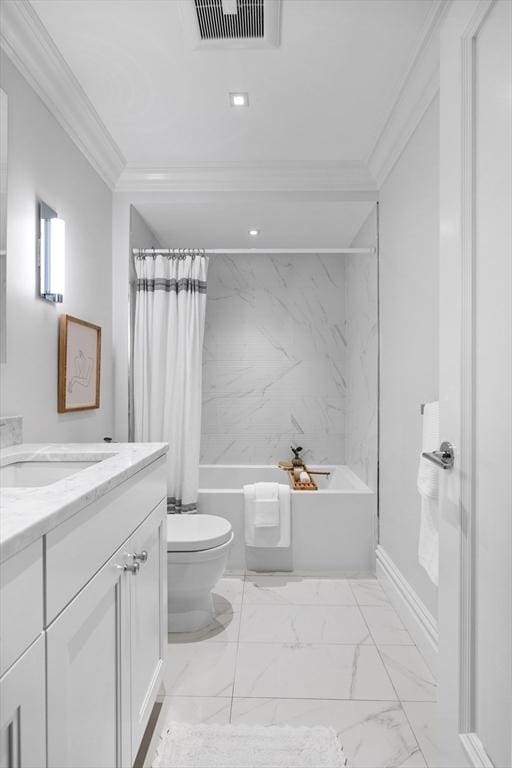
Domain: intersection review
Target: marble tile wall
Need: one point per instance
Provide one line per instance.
(11, 431)
(274, 359)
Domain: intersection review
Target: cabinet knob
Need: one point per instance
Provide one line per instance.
(141, 557)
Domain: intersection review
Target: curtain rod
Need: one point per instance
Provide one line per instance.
(231, 251)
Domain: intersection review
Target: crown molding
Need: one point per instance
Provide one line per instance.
(413, 95)
(241, 177)
(27, 43)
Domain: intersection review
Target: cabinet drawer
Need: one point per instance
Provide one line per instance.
(78, 548)
(21, 602)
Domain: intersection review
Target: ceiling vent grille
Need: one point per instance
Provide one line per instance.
(222, 24)
(247, 21)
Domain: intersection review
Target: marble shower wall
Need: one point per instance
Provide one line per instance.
(361, 331)
(274, 362)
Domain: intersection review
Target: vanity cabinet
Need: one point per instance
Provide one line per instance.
(81, 695)
(22, 711)
(105, 656)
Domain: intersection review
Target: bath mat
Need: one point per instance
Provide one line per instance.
(248, 746)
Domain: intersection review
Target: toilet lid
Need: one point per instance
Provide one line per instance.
(190, 533)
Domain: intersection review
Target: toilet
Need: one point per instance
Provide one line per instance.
(197, 553)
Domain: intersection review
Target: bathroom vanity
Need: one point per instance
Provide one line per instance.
(83, 603)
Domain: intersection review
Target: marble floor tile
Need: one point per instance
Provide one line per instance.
(385, 625)
(368, 592)
(272, 670)
(297, 590)
(195, 710)
(415, 761)
(411, 677)
(422, 716)
(224, 628)
(200, 669)
(373, 734)
(303, 624)
(230, 588)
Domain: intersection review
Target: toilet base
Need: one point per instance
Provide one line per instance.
(197, 614)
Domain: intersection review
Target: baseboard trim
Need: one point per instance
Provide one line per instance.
(418, 620)
(475, 751)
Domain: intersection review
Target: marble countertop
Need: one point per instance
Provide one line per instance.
(26, 514)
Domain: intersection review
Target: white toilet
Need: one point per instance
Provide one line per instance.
(197, 552)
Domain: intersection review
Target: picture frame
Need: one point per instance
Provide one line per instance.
(79, 365)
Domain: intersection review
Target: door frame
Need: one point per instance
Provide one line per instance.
(458, 76)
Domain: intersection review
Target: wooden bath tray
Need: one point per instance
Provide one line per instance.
(297, 485)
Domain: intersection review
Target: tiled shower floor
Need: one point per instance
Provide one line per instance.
(308, 651)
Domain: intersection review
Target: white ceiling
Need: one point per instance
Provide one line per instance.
(318, 104)
(282, 223)
(321, 96)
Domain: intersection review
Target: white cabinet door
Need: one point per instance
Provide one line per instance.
(88, 675)
(148, 618)
(22, 711)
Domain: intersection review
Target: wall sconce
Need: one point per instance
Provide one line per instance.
(51, 254)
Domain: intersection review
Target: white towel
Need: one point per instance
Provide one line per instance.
(428, 488)
(266, 504)
(267, 515)
(428, 473)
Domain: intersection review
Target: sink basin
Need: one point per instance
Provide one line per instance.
(33, 474)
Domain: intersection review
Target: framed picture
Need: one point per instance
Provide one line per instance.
(79, 365)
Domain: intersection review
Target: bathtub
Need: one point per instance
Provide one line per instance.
(332, 529)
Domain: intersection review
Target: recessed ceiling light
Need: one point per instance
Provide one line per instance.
(239, 99)
(254, 232)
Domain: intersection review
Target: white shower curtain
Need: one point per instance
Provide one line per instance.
(167, 360)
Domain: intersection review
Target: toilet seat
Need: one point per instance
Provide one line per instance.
(193, 533)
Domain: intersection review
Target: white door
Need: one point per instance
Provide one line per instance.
(22, 711)
(88, 683)
(148, 624)
(475, 610)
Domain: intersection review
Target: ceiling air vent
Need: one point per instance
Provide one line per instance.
(220, 20)
(232, 23)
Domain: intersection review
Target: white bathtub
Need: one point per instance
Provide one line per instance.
(333, 529)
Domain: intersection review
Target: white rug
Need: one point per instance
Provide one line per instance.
(248, 746)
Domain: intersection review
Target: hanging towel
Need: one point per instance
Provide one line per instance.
(266, 505)
(267, 515)
(428, 488)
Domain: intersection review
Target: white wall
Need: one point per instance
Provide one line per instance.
(45, 164)
(409, 282)
(274, 359)
(141, 236)
(361, 423)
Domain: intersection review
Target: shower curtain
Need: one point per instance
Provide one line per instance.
(167, 360)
